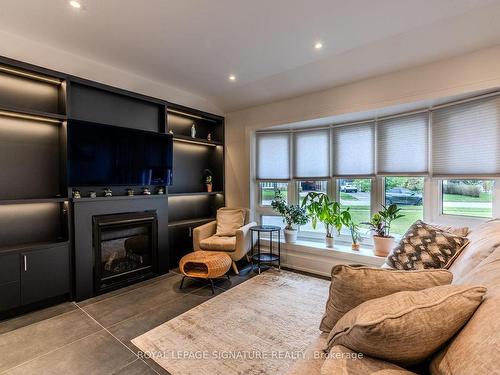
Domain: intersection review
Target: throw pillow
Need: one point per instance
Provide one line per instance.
(424, 246)
(351, 286)
(458, 231)
(407, 327)
(229, 221)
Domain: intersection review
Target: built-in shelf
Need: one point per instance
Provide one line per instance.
(195, 193)
(191, 221)
(34, 245)
(119, 197)
(31, 114)
(30, 201)
(200, 141)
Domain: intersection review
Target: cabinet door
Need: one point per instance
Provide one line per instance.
(44, 274)
(10, 290)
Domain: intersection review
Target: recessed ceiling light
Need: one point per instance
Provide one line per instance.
(232, 77)
(75, 4)
(318, 45)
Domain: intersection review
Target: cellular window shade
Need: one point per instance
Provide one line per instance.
(273, 156)
(402, 145)
(311, 154)
(466, 139)
(353, 148)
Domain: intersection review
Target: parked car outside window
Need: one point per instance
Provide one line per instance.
(403, 196)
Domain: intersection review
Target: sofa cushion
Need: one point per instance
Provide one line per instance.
(424, 246)
(218, 243)
(341, 360)
(351, 286)
(229, 221)
(483, 240)
(407, 327)
(474, 350)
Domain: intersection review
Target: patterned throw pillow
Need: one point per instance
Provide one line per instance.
(424, 246)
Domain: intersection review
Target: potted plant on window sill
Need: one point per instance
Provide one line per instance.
(380, 225)
(355, 235)
(292, 215)
(319, 208)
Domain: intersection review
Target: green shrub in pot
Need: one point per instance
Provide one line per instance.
(292, 215)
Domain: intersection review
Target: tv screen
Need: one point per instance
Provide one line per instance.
(103, 155)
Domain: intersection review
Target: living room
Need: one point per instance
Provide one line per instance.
(182, 192)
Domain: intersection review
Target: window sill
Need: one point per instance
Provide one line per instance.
(314, 257)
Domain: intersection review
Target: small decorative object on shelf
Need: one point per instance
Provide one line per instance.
(92, 194)
(76, 194)
(130, 192)
(209, 137)
(171, 132)
(108, 192)
(146, 191)
(160, 190)
(207, 177)
(193, 131)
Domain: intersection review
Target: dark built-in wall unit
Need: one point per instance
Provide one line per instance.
(190, 205)
(46, 239)
(34, 220)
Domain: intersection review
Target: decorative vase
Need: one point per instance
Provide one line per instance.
(290, 235)
(383, 245)
(329, 241)
(209, 188)
(355, 246)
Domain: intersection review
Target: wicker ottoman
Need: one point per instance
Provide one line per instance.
(205, 265)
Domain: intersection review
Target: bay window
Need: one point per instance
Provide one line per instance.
(438, 164)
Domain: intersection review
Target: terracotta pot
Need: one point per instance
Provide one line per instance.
(355, 246)
(290, 235)
(209, 188)
(329, 241)
(383, 245)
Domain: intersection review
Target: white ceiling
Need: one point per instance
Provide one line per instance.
(268, 44)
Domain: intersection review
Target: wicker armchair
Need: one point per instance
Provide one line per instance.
(236, 247)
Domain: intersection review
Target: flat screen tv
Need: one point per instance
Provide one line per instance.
(103, 155)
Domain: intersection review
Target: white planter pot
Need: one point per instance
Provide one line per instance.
(290, 235)
(383, 245)
(329, 241)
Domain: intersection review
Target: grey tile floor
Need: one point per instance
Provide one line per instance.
(93, 336)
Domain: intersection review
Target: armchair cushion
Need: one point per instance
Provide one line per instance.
(229, 221)
(218, 243)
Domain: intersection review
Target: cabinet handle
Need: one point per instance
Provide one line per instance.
(25, 263)
(190, 232)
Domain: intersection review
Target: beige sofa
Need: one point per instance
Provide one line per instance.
(236, 247)
(473, 351)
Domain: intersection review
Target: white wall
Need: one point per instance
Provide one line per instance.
(32, 52)
(468, 73)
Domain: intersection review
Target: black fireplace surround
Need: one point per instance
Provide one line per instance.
(125, 248)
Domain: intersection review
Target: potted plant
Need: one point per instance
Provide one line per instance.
(355, 235)
(319, 208)
(207, 178)
(380, 225)
(292, 215)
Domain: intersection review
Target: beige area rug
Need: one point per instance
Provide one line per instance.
(261, 326)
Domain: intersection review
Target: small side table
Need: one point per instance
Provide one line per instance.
(270, 257)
